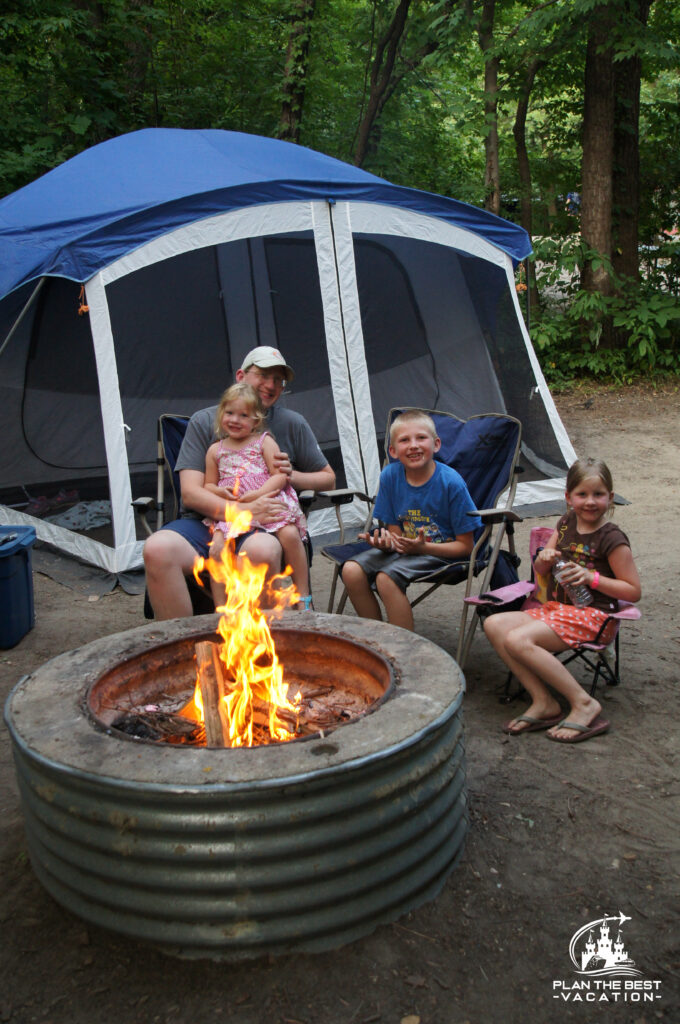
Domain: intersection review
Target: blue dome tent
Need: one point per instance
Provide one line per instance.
(195, 246)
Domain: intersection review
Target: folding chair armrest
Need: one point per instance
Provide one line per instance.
(497, 515)
(142, 507)
(338, 498)
(627, 610)
(503, 595)
(306, 499)
(344, 496)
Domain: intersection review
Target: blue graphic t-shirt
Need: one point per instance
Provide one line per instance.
(440, 505)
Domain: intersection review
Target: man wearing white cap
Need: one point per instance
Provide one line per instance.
(170, 553)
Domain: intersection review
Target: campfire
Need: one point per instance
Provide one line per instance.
(232, 853)
(151, 817)
(243, 694)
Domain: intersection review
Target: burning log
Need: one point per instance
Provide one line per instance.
(212, 691)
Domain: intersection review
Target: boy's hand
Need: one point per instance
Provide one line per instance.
(382, 539)
(411, 545)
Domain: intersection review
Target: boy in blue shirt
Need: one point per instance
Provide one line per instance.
(425, 505)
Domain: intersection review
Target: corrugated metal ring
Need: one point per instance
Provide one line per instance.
(304, 846)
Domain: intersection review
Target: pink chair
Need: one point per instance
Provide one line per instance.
(601, 659)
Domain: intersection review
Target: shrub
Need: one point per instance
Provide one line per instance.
(643, 320)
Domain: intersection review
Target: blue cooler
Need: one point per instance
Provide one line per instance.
(16, 583)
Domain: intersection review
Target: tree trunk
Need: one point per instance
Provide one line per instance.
(137, 71)
(381, 72)
(598, 149)
(295, 72)
(626, 169)
(492, 174)
(524, 168)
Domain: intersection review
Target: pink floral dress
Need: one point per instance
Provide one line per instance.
(247, 466)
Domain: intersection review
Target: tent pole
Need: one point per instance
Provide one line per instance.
(527, 268)
(22, 314)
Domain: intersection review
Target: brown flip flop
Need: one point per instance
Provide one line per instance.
(583, 732)
(535, 724)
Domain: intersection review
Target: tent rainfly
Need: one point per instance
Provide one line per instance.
(195, 246)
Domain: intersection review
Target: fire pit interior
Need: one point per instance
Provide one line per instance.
(151, 696)
(234, 853)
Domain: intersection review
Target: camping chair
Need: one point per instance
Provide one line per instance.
(600, 659)
(170, 434)
(170, 431)
(484, 449)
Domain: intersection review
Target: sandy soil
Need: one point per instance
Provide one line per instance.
(559, 835)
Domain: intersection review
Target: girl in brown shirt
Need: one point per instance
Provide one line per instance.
(600, 557)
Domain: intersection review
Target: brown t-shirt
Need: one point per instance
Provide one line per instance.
(590, 550)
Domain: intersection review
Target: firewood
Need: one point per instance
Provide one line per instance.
(212, 690)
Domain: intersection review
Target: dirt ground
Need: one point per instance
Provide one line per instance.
(559, 836)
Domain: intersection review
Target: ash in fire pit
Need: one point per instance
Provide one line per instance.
(330, 681)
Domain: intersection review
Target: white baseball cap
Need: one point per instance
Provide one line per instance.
(264, 357)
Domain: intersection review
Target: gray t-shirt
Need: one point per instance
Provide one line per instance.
(291, 431)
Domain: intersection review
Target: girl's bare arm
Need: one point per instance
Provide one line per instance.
(545, 559)
(212, 475)
(626, 585)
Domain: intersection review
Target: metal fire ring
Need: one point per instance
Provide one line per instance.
(232, 854)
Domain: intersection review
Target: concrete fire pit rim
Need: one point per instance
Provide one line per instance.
(387, 730)
(210, 787)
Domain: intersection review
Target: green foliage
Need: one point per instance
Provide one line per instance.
(76, 72)
(642, 319)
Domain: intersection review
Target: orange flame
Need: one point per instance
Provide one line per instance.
(251, 667)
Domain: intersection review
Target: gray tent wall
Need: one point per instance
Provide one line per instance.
(373, 305)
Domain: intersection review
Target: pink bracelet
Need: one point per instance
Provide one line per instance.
(595, 580)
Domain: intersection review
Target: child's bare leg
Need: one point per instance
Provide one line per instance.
(543, 703)
(358, 588)
(295, 556)
(397, 607)
(218, 590)
(528, 648)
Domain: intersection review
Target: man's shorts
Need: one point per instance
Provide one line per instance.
(403, 569)
(199, 535)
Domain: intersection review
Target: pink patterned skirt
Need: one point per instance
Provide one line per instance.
(575, 626)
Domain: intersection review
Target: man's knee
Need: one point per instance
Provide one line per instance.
(167, 549)
(156, 548)
(263, 549)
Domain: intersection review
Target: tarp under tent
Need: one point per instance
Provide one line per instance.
(195, 246)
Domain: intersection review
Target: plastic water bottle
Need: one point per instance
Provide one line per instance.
(579, 594)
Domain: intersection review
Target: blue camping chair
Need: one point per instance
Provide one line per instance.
(170, 433)
(484, 449)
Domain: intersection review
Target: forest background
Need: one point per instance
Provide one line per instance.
(561, 115)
